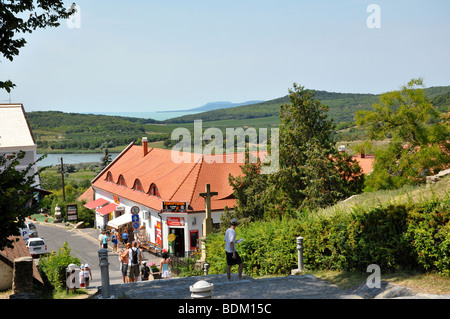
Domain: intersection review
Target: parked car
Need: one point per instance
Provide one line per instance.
(29, 231)
(36, 246)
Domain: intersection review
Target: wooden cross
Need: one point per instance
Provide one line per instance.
(207, 223)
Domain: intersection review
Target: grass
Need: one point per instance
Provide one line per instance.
(404, 195)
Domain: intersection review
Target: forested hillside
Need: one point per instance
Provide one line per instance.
(57, 130)
(342, 106)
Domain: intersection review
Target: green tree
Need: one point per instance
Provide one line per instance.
(53, 267)
(418, 137)
(25, 16)
(17, 197)
(312, 173)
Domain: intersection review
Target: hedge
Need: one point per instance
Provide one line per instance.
(412, 236)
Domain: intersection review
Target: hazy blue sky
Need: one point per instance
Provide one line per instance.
(165, 55)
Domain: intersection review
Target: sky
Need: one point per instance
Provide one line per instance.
(144, 56)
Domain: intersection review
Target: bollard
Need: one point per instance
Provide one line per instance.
(205, 268)
(300, 253)
(202, 290)
(104, 270)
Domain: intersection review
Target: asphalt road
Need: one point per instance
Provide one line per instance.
(84, 247)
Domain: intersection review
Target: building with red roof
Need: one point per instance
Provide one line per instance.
(145, 192)
(165, 194)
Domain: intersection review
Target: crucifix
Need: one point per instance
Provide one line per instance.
(207, 222)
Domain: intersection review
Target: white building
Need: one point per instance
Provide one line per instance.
(164, 195)
(16, 135)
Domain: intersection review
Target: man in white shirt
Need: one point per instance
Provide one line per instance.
(233, 257)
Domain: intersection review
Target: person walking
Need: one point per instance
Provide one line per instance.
(87, 274)
(125, 238)
(81, 276)
(100, 241)
(164, 265)
(105, 240)
(232, 255)
(123, 258)
(145, 271)
(114, 241)
(134, 260)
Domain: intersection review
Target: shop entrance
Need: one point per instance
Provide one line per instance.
(176, 246)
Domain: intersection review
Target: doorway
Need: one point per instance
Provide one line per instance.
(177, 246)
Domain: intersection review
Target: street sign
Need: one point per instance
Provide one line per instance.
(135, 210)
(136, 225)
(134, 218)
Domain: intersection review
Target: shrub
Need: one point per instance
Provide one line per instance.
(413, 236)
(53, 267)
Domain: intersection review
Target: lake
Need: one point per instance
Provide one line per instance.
(72, 158)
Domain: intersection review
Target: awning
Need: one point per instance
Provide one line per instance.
(123, 219)
(105, 210)
(96, 203)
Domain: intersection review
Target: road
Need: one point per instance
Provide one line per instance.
(86, 248)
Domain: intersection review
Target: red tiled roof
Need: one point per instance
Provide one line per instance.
(88, 195)
(8, 255)
(175, 181)
(366, 163)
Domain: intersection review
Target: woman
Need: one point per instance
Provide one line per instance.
(87, 274)
(114, 241)
(81, 275)
(164, 265)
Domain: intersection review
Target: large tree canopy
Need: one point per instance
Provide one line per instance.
(312, 173)
(418, 137)
(17, 197)
(25, 16)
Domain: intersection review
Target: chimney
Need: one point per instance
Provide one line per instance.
(145, 145)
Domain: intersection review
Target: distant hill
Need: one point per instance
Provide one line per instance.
(210, 106)
(342, 106)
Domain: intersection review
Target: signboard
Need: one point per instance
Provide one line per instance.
(171, 237)
(175, 221)
(116, 199)
(135, 218)
(158, 233)
(174, 207)
(135, 210)
(72, 212)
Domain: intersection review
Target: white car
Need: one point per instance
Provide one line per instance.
(29, 231)
(36, 246)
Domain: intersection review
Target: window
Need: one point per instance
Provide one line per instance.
(109, 177)
(121, 181)
(138, 186)
(154, 190)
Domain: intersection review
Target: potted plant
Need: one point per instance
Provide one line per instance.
(154, 271)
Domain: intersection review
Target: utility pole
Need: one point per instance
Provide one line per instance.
(62, 178)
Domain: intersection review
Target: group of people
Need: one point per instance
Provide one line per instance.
(133, 268)
(104, 238)
(85, 275)
(131, 257)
